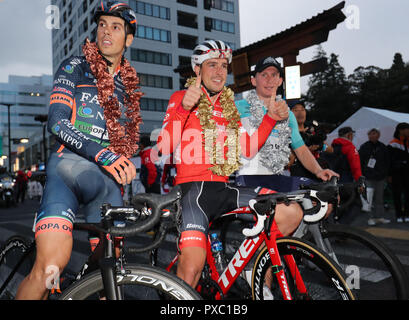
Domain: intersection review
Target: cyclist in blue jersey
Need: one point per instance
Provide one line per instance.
(267, 166)
(94, 116)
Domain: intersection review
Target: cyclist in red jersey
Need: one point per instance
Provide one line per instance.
(202, 128)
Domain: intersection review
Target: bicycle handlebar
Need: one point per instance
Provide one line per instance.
(327, 192)
(156, 203)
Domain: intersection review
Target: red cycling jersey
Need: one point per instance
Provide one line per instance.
(146, 161)
(182, 134)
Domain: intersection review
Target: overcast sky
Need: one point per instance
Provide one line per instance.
(380, 29)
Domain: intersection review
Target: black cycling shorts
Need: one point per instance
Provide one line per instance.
(202, 202)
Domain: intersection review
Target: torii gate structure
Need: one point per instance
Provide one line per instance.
(286, 44)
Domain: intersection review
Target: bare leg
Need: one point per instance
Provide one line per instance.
(190, 264)
(53, 253)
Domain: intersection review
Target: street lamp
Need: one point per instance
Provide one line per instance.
(8, 105)
(43, 119)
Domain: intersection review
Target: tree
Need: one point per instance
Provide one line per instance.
(333, 97)
(398, 85)
(368, 87)
(329, 95)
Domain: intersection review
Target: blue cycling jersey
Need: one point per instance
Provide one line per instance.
(74, 175)
(76, 117)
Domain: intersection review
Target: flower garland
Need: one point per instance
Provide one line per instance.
(221, 166)
(123, 139)
(275, 152)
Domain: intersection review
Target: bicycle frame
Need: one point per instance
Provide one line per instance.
(243, 256)
(29, 250)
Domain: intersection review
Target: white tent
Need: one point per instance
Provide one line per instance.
(367, 118)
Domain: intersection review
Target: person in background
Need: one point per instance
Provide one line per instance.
(150, 175)
(375, 163)
(21, 183)
(351, 168)
(399, 170)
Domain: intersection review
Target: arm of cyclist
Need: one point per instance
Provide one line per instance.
(310, 163)
(277, 111)
(121, 168)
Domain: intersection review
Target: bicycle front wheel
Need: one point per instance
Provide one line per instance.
(16, 262)
(137, 283)
(322, 278)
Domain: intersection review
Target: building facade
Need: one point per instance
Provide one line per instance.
(28, 97)
(167, 31)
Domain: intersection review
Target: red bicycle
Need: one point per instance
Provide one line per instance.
(269, 266)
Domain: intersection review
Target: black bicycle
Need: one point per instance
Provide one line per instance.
(107, 275)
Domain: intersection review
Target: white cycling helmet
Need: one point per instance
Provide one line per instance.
(210, 49)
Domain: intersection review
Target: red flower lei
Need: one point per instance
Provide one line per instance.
(123, 139)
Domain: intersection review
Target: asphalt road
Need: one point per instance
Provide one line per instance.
(19, 220)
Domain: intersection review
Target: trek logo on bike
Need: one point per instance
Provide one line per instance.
(246, 250)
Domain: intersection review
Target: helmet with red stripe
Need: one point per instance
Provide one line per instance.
(210, 49)
(116, 9)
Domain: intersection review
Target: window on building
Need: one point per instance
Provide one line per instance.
(155, 81)
(152, 104)
(86, 24)
(187, 19)
(219, 25)
(186, 41)
(184, 61)
(84, 6)
(192, 3)
(224, 5)
(149, 9)
(151, 57)
(150, 33)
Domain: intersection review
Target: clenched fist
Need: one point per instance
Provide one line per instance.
(192, 94)
(278, 110)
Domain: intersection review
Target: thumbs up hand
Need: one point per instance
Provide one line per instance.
(278, 110)
(192, 95)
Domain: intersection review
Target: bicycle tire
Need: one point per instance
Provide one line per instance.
(14, 257)
(327, 283)
(376, 254)
(143, 283)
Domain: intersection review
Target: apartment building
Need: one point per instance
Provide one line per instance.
(167, 31)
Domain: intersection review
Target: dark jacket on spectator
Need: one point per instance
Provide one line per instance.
(380, 153)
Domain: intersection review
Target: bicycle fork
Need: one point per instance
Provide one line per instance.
(108, 267)
(278, 269)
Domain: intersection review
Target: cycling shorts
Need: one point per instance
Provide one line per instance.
(202, 202)
(280, 183)
(73, 181)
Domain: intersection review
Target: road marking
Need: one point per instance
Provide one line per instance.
(389, 233)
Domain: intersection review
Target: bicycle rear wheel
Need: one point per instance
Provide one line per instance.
(373, 269)
(323, 278)
(137, 283)
(16, 261)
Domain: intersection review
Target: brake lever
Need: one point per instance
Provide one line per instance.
(258, 228)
